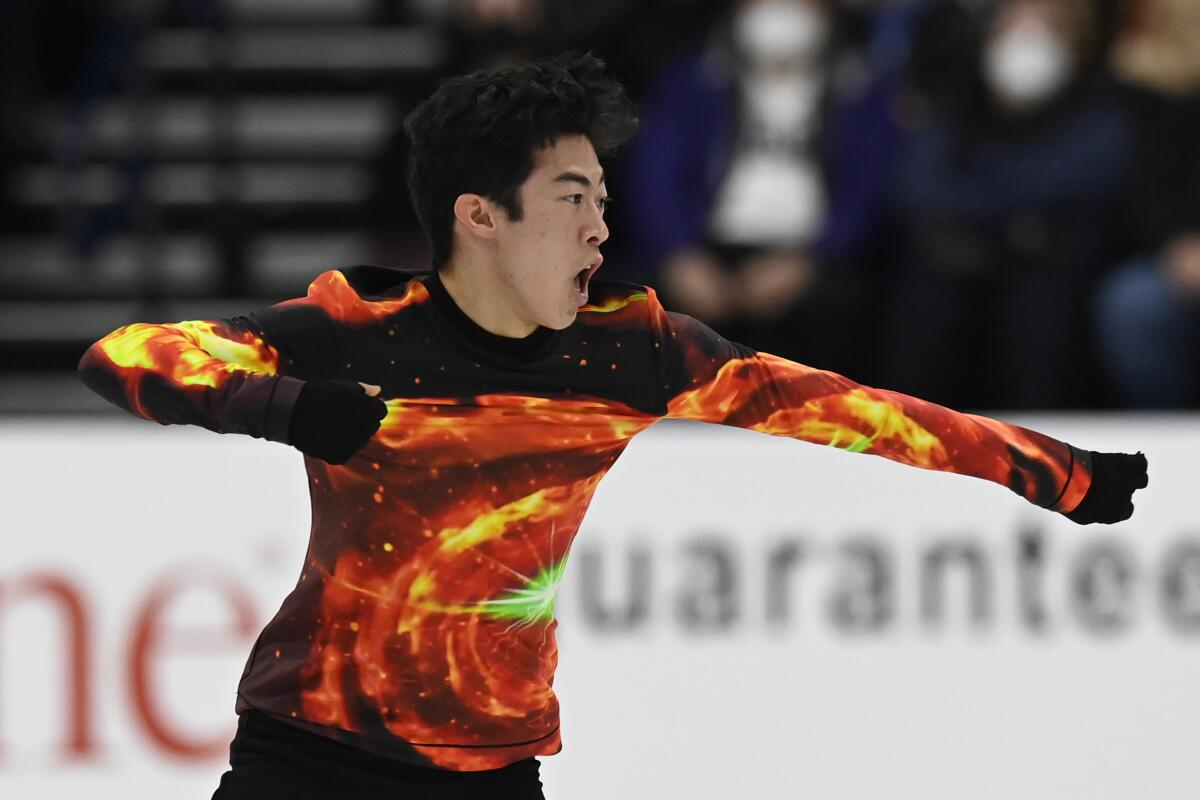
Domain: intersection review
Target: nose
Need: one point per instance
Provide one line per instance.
(597, 230)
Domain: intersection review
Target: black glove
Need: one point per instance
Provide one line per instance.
(332, 420)
(1115, 477)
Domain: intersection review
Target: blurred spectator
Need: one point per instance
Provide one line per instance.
(1006, 196)
(755, 180)
(493, 33)
(640, 42)
(1148, 312)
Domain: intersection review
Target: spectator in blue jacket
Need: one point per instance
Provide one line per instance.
(757, 178)
(1006, 195)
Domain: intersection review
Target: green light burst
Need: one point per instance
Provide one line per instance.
(532, 603)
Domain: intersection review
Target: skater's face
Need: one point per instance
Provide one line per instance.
(548, 256)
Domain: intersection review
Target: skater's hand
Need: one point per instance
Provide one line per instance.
(333, 419)
(1115, 477)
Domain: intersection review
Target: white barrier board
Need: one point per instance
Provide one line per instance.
(741, 615)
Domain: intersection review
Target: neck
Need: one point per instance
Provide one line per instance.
(482, 298)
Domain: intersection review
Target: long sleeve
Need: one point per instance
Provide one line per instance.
(236, 375)
(708, 378)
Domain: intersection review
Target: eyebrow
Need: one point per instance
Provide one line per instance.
(576, 177)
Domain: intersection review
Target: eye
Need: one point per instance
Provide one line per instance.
(604, 203)
(575, 199)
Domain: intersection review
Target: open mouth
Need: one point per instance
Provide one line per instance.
(584, 275)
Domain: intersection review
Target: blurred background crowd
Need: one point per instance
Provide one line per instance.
(991, 204)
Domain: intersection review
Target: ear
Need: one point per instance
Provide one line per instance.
(477, 215)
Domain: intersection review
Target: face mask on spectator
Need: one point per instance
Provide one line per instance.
(1026, 64)
(775, 31)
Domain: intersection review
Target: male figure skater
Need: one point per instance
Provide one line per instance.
(455, 425)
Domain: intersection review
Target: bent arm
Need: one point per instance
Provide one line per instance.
(222, 375)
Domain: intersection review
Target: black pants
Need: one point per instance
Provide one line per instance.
(271, 759)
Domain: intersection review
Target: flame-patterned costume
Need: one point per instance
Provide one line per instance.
(422, 625)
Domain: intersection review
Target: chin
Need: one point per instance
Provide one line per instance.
(567, 320)
(562, 320)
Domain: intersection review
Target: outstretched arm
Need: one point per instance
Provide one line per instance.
(706, 377)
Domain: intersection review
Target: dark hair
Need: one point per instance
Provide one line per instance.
(478, 133)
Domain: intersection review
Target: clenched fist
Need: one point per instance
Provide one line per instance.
(1115, 477)
(333, 419)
